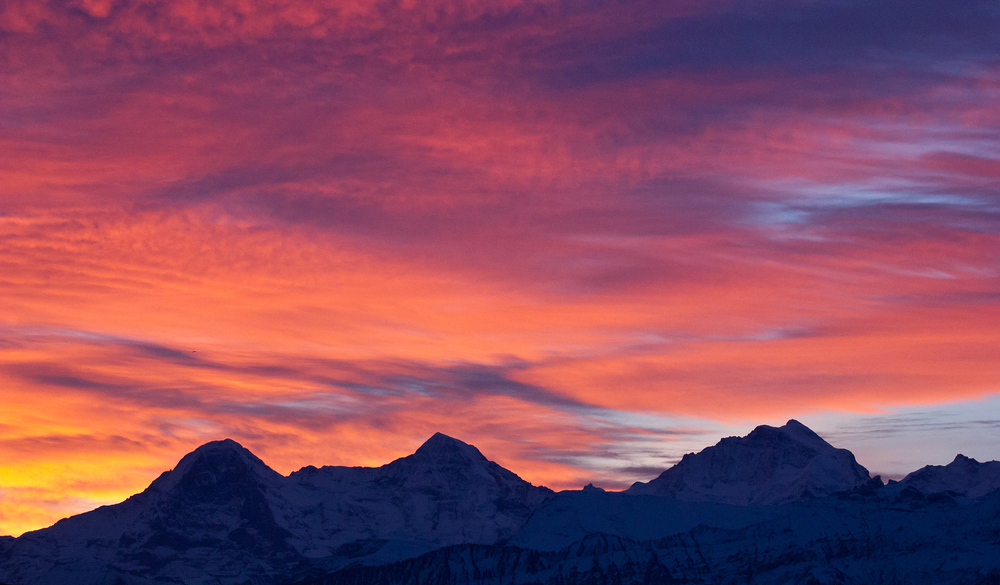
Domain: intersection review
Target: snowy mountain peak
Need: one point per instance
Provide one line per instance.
(215, 463)
(226, 451)
(768, 466)
(442, 461)
(221, 445)
(441, 447)
(793, 430)
(445, 493)
(963, 475)
(801, 432)
(222, 517)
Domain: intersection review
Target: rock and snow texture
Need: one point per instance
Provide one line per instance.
(777, 506)
(223, 516)
(768, 466)
(209, 518)
(445, 493)
(832, 541)
(964, 476)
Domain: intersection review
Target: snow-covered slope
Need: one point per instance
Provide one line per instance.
(829, 541)
(571, 516)
(223, 516)
(768, 466)
(209, 516)
(445, 493)
(964, 476)
(777, 506)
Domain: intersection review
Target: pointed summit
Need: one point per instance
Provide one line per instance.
(768, 466)
(221, 445)
(216, 463)
(441, 456)
(439, 441)
(964, 475)
(793, 431)
(792, 435)
(224, 452)
(442, 446)
(218, 498)
(800, 432)
(224, 449)
(445, 493)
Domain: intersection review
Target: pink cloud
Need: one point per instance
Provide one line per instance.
(291, 222)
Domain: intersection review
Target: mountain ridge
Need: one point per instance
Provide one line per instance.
(770, 465)
(223, 512)
(222, 516)
(963, 475)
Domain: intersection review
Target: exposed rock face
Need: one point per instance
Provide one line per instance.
(768, 466)
(964, 476)
(223, 516)
(445, 493)
(209, 515)
(777, 506)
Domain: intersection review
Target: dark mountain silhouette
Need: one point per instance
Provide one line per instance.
(768, 466)
(222, 516)
(963, 476)
(780, 505)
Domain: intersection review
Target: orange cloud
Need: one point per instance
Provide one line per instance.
(581, 237)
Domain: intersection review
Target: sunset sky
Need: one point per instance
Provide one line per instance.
(587, 237)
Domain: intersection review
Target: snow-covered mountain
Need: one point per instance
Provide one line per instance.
(830, 541)
(210, 515)
(445, 493)
(964, 476)
(777, 506)
(768, 466)
(223, 516)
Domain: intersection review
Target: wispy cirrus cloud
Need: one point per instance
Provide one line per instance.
(576, 234)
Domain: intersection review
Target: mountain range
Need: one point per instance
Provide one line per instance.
(780, 505)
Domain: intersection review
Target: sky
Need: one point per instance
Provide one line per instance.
(585, 236)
